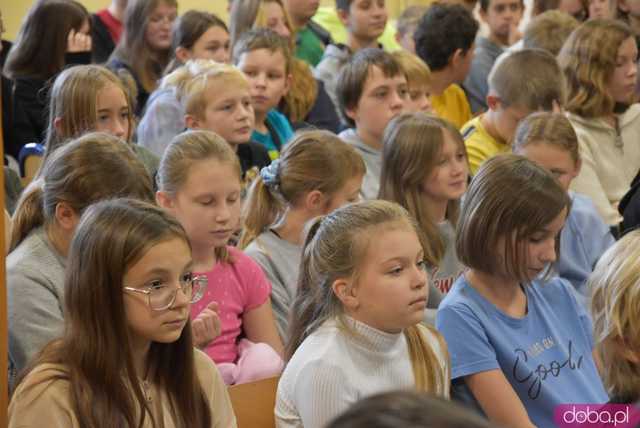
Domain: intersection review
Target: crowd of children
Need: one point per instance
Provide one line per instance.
(219, 203)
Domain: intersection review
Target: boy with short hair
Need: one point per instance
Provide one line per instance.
(418, 81)
(264, 58)
(372, 90)
(406, 26)
(549, 31)
(520, 83)
(365, 21)
(444, 40)
(502, 18)
(311, 38)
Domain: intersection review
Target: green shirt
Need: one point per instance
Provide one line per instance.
(309, 46)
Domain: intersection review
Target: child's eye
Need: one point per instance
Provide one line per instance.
(206, 202)
(422, 265)
(396, 271)
(186, 278)
(155, 284)
(274, 76)
(103, 118)
(251, 73)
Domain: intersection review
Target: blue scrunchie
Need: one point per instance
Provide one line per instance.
(271, 174)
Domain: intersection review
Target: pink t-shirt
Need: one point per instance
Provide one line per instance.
(237, 287)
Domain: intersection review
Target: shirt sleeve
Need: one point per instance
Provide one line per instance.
(34, 315)
(256, 287)
(41, 405)
(469, 347)
(216, 392)
(588, 183)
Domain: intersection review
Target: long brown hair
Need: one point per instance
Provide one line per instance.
(313, 160)
(188, 29)
(73, 99)
(80, 173)
(95, 348)
(412, 146)
(133, 48)
(588, 60)
(334, 248)
(40, 47)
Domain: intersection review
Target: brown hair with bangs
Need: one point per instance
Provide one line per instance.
(354, 75)
(412, 144)
(509, 199)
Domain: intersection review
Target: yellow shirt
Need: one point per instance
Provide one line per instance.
(43, 399)
(452, 105)
(480, 145)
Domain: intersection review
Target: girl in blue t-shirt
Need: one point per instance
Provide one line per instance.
(519, 346)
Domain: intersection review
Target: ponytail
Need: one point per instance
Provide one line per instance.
(305, 305)
(261, 209)
(427, 370)
(29, 213)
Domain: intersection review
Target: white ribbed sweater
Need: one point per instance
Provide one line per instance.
(333, 368)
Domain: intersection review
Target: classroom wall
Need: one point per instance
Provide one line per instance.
(14, 11)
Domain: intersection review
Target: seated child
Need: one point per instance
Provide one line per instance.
(549, 140)
(418, 81)
(355, 327)
(444, 40)
(264, 58)
(406, 26)
(502, 18)
(615, 286)
(365, 21)
(520, 345)
(519, 84)
(216, 98)
(316, 174)
(372, 90)
(199, 183)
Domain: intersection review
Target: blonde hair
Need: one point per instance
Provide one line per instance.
(80, 173)
(183, 152)
(588, 60)
(194, 80)
(615, 306)
(313, 160)
(249, 14)
(412, 144)
(521, 79)
(417, 72)
(74, 100)
(547, 128)
(549, 31)
(509, 199)
(334, 248)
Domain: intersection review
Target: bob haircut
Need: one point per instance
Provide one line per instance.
(508, 200)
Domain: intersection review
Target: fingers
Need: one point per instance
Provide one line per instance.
(206, 327)
(78, 42)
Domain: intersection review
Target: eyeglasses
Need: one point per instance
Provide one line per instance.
(161, 296)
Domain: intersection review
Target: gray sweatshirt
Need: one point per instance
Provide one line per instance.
(372, 159)
(35, 296)
(327, 70)
(280, 261)
(476, 85)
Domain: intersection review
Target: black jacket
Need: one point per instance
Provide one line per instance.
(101, 41)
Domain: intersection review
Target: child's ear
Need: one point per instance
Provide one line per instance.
(352, 113)
(191, 121)
(182, 54)
(578, 167)
(344, 290)
(343, 16)
(314, 201)
(623, 6)
(493, 102)
(287, 84)
(66, 216)
(164, 200)
(57, 125)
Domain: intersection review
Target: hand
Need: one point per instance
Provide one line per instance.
(206, 327)
(78, 42)
(514, 34)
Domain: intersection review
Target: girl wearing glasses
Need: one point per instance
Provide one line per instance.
(75, 176)
(199, 183)
(126, 357)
